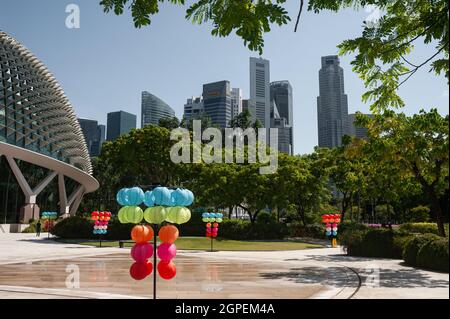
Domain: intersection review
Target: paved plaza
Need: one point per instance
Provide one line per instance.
(33, 267)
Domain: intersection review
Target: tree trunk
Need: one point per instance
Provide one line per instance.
(438, 210)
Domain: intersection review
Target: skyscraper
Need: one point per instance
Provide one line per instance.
(193, 109)
(249, 105)
(236, 102)
(94, 134)
(153, 109)
(332, 104)
(217, 102)
(260, 89)
(355, 130)
(120, 123)
(281, 114)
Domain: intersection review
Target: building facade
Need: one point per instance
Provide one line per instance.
(236, 102)
(260, 89)
(120, 123)
(281, 114)
(332, 104)
(42, 146)
(94, 135)
(217, 102)
(193, 109)
(249, 105)
(153, 109)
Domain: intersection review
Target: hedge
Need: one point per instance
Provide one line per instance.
(434, 255)
(420, 228)
(297, 229)
(413, 246)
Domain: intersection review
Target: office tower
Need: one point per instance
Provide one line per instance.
(120, 123)
(332, 104)
(249, 105)
(94, 135)
(281, 95)
(193, 109)
(260, 89)
(217, 102)
(281, 114)
(236, 102)
(153, 109)
(356, 130)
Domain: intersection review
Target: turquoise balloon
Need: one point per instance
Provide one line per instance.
(162, 196)
(190, 198)
(179, 197)
(121, 197)
(135, 196)
(149, 199)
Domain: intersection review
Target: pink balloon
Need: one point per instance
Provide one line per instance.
(166, 252)
(141, 252)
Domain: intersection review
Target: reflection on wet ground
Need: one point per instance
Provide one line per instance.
(196, 278)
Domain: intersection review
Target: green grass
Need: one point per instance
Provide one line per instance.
(203, 243)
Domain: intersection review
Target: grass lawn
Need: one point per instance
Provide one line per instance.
(203, 243)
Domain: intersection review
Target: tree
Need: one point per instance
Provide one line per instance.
(169, 123)
(382, 50)
(242, 120)
(419, 144)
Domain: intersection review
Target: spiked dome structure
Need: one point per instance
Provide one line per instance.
(38, 125)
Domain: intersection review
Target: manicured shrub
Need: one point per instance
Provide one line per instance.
(413, 246)
(353, 242)
(419, 214)
(195, 227)
(297, 229)
(420, 228)
(244, 230)
(434, 255)
(75, 227)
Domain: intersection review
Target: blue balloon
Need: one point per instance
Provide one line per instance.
(334, 233)
(135, 196)
(207, 215)
(190, 198)
(121, 197)
(162, 196)
(149, 199)
(204, 215)
(328, 233)
(213, 215)
(179, 197)
(220, 215)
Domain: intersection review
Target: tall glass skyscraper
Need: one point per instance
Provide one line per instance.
(153, 109)
(94, 135)
(281, 100)
(217, 102)
(120, 123)
(332, 104)
(236, 102)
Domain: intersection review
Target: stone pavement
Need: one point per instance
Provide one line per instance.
(325, 272)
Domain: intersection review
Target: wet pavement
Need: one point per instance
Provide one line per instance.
(108, 276)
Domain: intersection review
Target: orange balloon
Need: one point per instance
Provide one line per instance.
(168, 234)
(142, 233)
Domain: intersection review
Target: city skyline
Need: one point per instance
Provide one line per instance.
(91, 55)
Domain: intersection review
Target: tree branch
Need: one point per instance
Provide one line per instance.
(299, 14)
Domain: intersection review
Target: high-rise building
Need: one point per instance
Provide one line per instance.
(153, 109)
(281, 114)
(332, 104)
(249, 105)
(356, 130)
(217, 102)
(236, 102)
(260, 89)
(193, 109)
(94, 135)
(120, 123)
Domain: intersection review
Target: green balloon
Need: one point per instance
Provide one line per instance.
(205, 220)
(134, 214)
(219, 220)
(122, 215)
(178, 215)
(155, 215)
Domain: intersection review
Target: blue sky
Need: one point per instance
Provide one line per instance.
(104, 65)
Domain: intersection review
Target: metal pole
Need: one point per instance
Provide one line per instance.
(154, 260)
(212, 239)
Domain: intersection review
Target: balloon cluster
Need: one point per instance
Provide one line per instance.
(331, 222)
(101, 220)
(212, 221)
(141, 251)
(49, 215)
(163, 204)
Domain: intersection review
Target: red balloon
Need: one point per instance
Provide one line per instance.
(208, 234)
(214, 235)
(141, 252)
(215, 225)
(94, 214)
(167, 270)
(139, 271)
